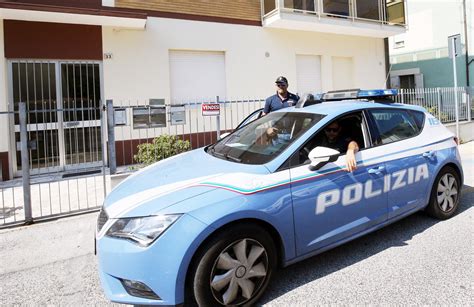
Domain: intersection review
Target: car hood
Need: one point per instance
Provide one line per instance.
(171, 181)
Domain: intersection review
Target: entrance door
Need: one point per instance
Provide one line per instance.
(63, 104)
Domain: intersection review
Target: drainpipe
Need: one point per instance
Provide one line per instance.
(387, 62)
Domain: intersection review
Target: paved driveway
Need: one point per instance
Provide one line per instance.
(415, 261)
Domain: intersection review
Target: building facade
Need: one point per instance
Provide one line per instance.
(63, 55)
(419, 57)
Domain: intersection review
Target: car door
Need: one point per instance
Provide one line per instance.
(331, 204)
(408, 162)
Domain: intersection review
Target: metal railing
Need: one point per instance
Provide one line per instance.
(47, 190)
(140, 122)
(385, 12)
(441, 102)
(124, 126)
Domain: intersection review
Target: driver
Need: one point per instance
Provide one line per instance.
(333, 139)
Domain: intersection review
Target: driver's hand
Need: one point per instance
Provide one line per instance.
(351, 163)
(272, 132)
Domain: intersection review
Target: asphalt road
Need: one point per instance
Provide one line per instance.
(416, 261)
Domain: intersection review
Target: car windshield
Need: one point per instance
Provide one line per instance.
(265, 138)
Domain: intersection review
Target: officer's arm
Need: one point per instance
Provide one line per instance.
(352, 149)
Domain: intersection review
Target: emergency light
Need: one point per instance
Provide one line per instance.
(351, 94)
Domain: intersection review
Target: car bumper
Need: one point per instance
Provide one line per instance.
(161, 266)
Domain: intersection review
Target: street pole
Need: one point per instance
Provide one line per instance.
(25, 163)
(456, 108)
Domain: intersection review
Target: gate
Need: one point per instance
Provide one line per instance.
(56, 131)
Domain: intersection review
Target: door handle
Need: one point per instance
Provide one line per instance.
(376, 170)
(429, 154)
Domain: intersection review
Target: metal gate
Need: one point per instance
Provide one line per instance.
(56, 120)
(63, 105)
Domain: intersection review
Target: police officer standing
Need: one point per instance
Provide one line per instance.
(282, 98)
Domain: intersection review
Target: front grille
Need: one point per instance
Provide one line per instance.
(101, 220)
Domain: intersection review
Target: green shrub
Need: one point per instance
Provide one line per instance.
(161, 148)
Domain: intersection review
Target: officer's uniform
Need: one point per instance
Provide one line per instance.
(274, 102)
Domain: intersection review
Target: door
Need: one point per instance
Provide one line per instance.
(63, 113)
(407, 166)
(331, 204)
(81, 97)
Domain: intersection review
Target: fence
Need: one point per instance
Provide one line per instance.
(139, 123)
(70, 152)
(441, 101)
(66, 160)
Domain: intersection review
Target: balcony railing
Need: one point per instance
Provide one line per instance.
(388, 12)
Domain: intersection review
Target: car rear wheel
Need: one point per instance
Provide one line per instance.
(234, 268)
(445, 193)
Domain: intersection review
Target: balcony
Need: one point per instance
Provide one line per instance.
(370, 18)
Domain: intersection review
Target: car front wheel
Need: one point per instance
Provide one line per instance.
(445, 194)
(234, 267)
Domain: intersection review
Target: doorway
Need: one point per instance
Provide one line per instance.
(63, 101)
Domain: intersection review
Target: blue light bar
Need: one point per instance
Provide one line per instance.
(377, 93)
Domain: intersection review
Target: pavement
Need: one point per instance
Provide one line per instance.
(416, 261)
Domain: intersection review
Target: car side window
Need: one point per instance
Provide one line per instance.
(337, 134)
(393, 126)
(419, 119)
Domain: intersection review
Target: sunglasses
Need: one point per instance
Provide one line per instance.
(281, 85)
(331, 129)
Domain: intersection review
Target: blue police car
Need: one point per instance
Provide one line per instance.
(210, 226)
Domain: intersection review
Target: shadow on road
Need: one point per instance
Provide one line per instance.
(396, 234)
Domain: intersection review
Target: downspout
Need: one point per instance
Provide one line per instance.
(387, 62)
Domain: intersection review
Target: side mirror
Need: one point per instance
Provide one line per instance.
(320, 156)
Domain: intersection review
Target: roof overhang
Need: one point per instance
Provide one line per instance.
(40, 13)
(326, 24)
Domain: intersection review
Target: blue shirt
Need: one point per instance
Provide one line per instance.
(274, 102)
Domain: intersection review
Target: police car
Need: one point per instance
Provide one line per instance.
(211, 226)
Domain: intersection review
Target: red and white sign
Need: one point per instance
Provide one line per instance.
(211, 109)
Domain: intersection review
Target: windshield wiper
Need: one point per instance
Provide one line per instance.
(224, 156)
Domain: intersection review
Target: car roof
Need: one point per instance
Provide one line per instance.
(343, 106)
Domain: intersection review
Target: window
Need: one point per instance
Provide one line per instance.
(392, 126)
(336, 135)
(264, 139)
(336, 7)
(368, 9)
(419, 119)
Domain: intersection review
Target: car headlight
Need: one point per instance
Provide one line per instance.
(141, 230)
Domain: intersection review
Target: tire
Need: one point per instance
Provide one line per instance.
(445, 194)
(233, 268)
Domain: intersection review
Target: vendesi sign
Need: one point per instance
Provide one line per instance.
(211, 109)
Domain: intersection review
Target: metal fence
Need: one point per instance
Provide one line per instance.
(140, 122)
(441, 101)
(71, 152)
(54, 182)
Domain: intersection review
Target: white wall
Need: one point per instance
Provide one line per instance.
(139, 69)
(430, 24)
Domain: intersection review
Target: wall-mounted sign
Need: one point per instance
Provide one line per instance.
(178, 115)
(454, 46)
(210, 109)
